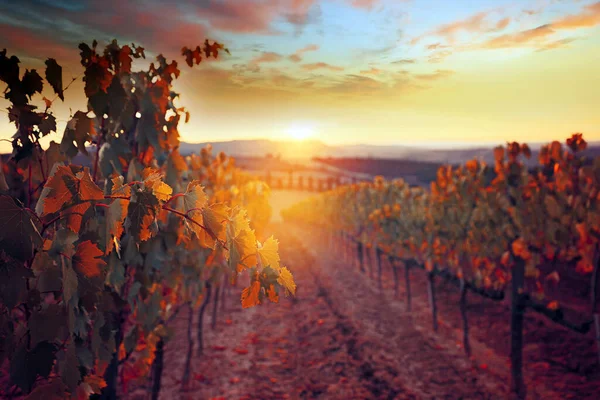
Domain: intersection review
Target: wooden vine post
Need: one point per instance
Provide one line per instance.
(359, 255)
(205, 301)
(378, 253)
(431, 295)
(463, 314)
(395, 272)
(517, 313)
(407, 266)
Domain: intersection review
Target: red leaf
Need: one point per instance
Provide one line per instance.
(87, 259)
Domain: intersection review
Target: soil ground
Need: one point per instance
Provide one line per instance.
(342, 337)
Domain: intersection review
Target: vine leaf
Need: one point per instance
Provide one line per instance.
(214, 218)
(87, 259)
(55, 390)
(80, 130)
(287, 281)
(194, 197)
(65, 187)
(116, 214)
(54, 77)
(153, 181)
(272, 293)
(13, 283)
(26, 365)
(268, 253)
(250, 295)
(19, 237)
(70, 283)
(68, 365)
(32, 83)
(141, 215)
(242, 253)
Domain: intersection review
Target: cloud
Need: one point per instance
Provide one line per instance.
(439, 56)
(519, 39)
(503, 23)
(368, 4)
(24, 42)
(371, 71)
(589, 17)
(435, 46)
(556, 44)
(539, 37)
(297, 56)
(404, 61)
(351, 84)
(438, 74)
(474, 23)
(266, 57)
(321, 65)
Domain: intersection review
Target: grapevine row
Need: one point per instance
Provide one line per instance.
(95, 263)
(501, 231)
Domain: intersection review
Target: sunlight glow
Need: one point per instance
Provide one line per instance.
(300, 131)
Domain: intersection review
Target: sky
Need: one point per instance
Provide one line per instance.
(382, 72)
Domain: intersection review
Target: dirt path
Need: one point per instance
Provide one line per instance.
(339, 339)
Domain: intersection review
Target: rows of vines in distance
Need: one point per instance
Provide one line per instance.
(510, 228)
(95, 263)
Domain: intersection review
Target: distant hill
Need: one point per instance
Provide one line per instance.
(292, 151)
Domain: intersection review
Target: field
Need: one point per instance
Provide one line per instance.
(343, 338)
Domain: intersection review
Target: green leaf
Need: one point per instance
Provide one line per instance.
(116, 272)
(70, 283)
(68, 366)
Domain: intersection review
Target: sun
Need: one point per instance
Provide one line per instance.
(300, 131)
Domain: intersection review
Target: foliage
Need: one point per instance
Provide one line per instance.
(96, 262)
(475, 227)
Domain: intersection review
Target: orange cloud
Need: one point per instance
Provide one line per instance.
(266, 57)
(364, 3)
(475, 23)
(519, 38)
(586, 19)
(297, 56)
(503, 23)
(321, 65)
(371, 71)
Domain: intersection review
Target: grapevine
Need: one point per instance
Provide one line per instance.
(97, 261)
(505, 231)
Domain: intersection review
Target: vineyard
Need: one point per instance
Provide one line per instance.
(131, 270)
(528, 237)
(97, 263)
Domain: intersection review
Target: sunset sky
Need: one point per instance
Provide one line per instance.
(345, 71)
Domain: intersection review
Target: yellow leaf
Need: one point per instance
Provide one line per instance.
(194, 197)
(286, 280)
(243, 251)
(268, 253)
(153, 181)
